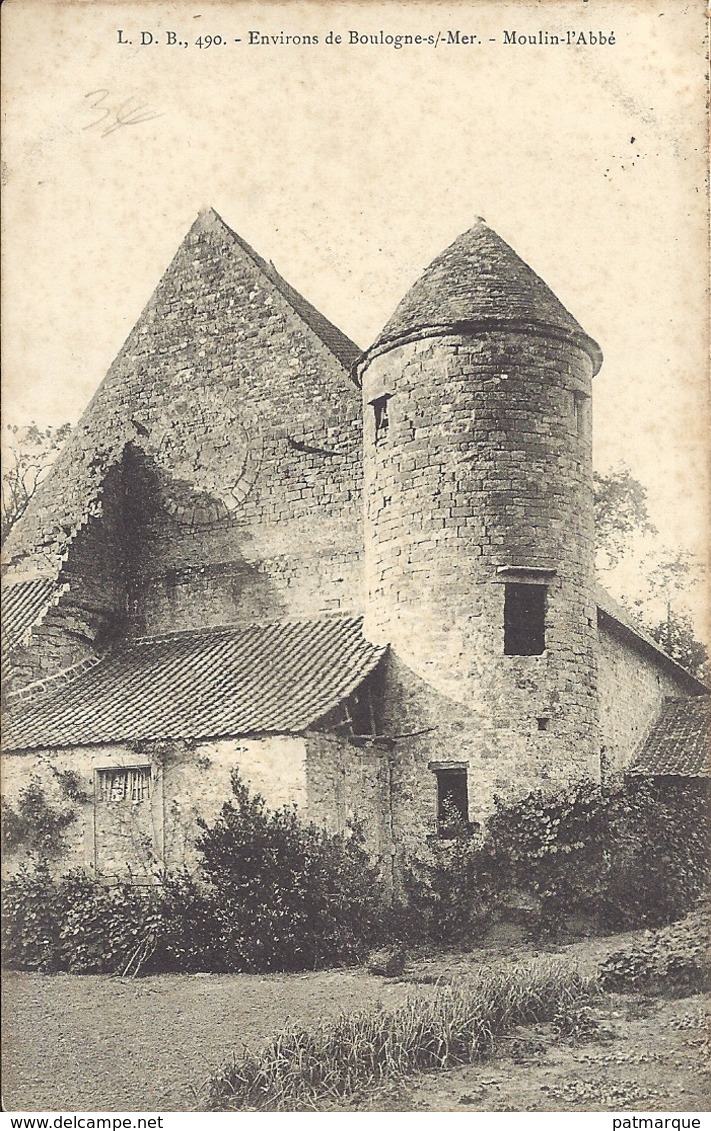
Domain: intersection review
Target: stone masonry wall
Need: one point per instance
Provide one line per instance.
(91, 612)
(508, 761)
(240, 432)
(632, 688)
(121, 840)
(348, 780)
(487, 464)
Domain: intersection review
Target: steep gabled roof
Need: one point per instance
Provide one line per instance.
(218, 309)
(679, 742)
(339, 344)
(249, 679)
(480, 282)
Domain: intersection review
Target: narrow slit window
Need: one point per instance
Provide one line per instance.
(524, 620)
(130, 783)
(382, 418)
(452, 802)
(579, 412)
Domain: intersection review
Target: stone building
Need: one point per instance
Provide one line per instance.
(366, 580)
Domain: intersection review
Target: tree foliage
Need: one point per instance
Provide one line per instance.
(28, 453)
(652, 580)
(620, 512)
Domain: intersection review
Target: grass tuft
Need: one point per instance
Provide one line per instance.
(301, 1066)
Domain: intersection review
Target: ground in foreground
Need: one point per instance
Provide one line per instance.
(96, 1043)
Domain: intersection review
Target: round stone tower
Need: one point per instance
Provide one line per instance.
(479, 515)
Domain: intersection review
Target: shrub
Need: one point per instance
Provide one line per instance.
(301, 1066)
(287, 895)
(274, 894)
(110, 930)
(32, 914)
(450, 893)
(629, 856)
(34, 823)
(77, 925)
(675, 959)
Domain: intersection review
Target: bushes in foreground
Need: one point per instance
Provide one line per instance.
(676, 959)
(626, 857)
(276, 894)
(459, 1025)
(272, 894)
(287, 895)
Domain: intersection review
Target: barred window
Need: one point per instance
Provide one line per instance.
(125, 783)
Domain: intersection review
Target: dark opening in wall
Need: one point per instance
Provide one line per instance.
(382, 419)
(542, 723)
(452, 801)
(524, 620)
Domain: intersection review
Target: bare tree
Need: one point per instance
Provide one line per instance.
(28, 453)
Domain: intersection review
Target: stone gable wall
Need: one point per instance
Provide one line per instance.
(238, 434)
(92, 611)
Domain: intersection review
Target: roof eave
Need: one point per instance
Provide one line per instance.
(695, 685)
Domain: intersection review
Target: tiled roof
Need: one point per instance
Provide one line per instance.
(23, 606)
(250, 679)
(480, 279)
(634, 632)
(678, 743)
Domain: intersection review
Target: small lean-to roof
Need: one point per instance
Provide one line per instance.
(480, 282)
(248, 679)
(678, 744)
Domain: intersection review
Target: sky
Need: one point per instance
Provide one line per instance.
(351, 166)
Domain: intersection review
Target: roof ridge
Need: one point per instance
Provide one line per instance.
(226, 629)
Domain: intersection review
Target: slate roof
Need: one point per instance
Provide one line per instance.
(480, 279)
(249, 679)
(616, 616)
(678, 744)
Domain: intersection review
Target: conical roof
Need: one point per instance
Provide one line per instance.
(480, 282)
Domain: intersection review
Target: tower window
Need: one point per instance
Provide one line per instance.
(524, 619)
(452, 802)
(579, 412)
(382, 420)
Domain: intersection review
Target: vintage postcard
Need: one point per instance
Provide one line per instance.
(355, 527)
